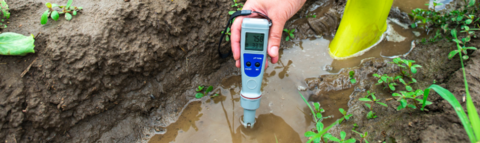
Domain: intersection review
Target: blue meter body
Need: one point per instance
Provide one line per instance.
(254, 42)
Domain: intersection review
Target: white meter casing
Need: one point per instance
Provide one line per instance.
(254, 42)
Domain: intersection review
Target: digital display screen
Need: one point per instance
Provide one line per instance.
(254, 41)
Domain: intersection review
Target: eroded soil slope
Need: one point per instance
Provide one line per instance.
(108, 68)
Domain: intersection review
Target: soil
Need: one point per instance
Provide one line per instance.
(103, 75)
(121, 70)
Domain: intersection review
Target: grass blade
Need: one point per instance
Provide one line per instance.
(447, 95)
(306, 102)
(473, 116)
(425, 96)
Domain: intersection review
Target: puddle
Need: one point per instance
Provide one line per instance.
(409, 5)
(282, 113)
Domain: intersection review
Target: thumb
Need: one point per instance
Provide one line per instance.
(274, 39)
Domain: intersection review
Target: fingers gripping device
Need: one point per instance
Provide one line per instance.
(254, 42)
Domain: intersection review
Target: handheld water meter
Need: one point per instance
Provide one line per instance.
(254, 42)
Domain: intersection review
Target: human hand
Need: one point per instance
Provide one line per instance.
(277, 10)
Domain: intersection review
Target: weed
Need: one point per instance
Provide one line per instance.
(371, 114)
(329, 136)
(355, 126)
(472, 126)
(404, 98)
(312, 16)
(460, 49)
(363, 136)
(408, 68)
(345, 114)
(289, 34)
(68, 10)
(227, 33)
(317, 137)
(208, 90)
(352, 77)
(317, 113)
(5, 12)
(386, 80)
(237, 5)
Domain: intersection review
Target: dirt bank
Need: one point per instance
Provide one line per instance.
(116, 66)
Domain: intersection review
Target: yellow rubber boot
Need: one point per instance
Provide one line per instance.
(362, 26)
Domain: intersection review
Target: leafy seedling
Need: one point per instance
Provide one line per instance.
(68, 10)
(227, 38)
(208, 90)
(371, 115)
(386, 80)
(404, 98)
(363, 136)
(355, 126)
(237, 5)
(352, 77)
(289, 34)
(408, 68)
(462, 49)
(317, 137)
(344, 113)
(373, 100)
(5, 12)
(316, 111)
(329, 136)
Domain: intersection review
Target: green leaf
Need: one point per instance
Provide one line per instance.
(471, 3)
(412, 106)
(231, 12)
(470, 48)
(227, 39)
(321, 133)
(319, 126)
(454, 34)
(402, 81)
(209, 89)
(413, 25)
(396, 94)
(376, 75)
(49, 5)
(365, 99)
(342, 111)
(403, 103)
(459, 18)
(351, 140)
(370, 115)
(309, 134)
(452, 54)
(199, 95)
(409, 88)
(292, 36)
(468, 21)
(200, 88)
(465, 57)
(306, 102)
(54, 5)
(55, 15)
(79, 8)
(68, 16)
(343, 135)
(426, 102)
(74, 13)
(69, 3)
(414, 68)
(215, 95)
(319, 115)
(368, 106)
(353, 81)
(286, 30)
(16, 44)
(391, 87)
(348, 116)
(383, 104)
(332, 138)
(288, 38)
(44, 19)
(317, 106)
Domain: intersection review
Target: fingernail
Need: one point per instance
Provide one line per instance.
(274, 52)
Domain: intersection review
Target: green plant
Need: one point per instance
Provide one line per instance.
(200, 95)
(312, 16)
(386, 80)
(5, 12)
(404, 98)
(363, 136)
(317, 113)
(289, 34)
(407, 66)
(460, 49)
(329, 136)
(352, 77)
(471, 124)
(16, 44)
(228, 34)
(68, 10)
(355, 126)
(371, 114)
(239, 6)
(317, 137)
(345, 113)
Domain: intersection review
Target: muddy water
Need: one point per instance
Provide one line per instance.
(282, 115)
(409, 5)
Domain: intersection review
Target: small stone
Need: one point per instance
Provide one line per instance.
(301, 88)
